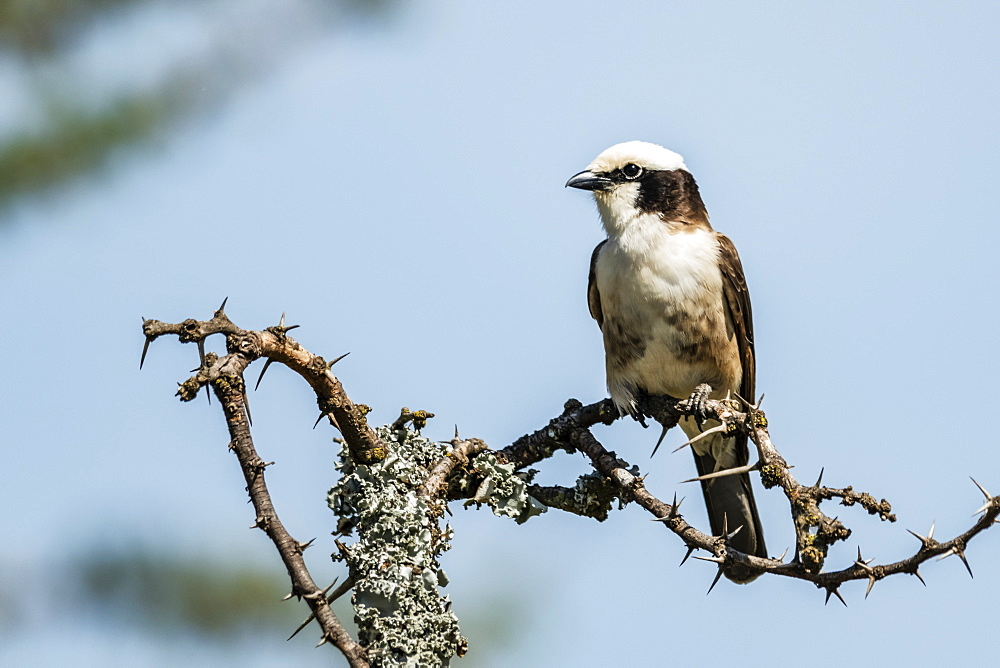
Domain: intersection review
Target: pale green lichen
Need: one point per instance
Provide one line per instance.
(502, 489)
(402, 617)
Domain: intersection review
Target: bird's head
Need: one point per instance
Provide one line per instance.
(637, 178)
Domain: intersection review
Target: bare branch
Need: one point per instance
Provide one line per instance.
(229, 390)
(274, 344)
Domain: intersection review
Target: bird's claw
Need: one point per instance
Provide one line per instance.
(696, 404)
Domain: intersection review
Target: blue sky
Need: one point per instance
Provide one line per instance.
(398, 191)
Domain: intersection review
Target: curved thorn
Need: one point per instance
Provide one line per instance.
(321, 416)
(262, 372)
(330, 365)
(222, 307)
(715, 581)
(981, 489)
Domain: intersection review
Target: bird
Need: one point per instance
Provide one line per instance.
(670, 297)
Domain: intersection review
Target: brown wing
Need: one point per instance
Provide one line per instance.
(733, 496)
(593, 296)
(734, 287)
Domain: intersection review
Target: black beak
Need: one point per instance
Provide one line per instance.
(586, 180)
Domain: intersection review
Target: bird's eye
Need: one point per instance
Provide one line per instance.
(631, 171)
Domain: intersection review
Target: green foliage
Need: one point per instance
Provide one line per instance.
(165, 592)
(73, 138)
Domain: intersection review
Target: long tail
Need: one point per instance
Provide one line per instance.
(730, 501)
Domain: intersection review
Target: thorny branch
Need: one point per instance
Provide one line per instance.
(452, 476)
(225, 375)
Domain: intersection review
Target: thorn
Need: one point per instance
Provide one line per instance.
(222, 308)
(726, 472)
(700, 436)
(656, 447)
(862, 562)
(262, 372)
(288, 596)
(961, 555)
(757, 407)
(714, 582)
(713, 559)
(675, 506)
(982, 489)
(834, 591)
(725, 524)
(305, 546)
(691, 548)
(742, 400)
(301, 626)
(738, 529)
(145, 349)
(871, 583)
(819, 480)
(928, 540)
(322, 641)
(330, 365)
(782, 557)
(208, 394)
(916, 571)
(246, 407)
(201, 352)
(456, 432)
(321, 416)
(282, 327)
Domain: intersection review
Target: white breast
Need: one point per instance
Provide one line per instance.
(663, 283)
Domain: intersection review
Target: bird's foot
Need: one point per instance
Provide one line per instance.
(696, 404)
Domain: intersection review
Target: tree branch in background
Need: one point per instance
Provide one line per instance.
(396, 503)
